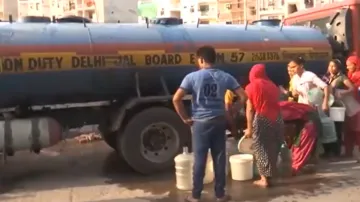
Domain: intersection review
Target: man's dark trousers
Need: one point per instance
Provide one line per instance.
(209, 135)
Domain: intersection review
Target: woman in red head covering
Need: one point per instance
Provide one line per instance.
(352, 124)
(264, 122)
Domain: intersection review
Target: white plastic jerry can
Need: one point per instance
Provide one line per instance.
(183, 170)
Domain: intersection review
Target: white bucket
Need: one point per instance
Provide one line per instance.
(242, 167)
(337, 114)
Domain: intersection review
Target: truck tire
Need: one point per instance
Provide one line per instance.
(152, 139)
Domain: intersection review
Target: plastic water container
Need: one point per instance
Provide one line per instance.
(337, 114)
(328, 132)
(242, 167)
(328, 128)
(183, 170)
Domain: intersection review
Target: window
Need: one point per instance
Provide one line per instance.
(320, 24)
(252, 10)
(37, 6)
(228, 6)
(238, 3)
(316, 23)
(271, 3)
(204, 8)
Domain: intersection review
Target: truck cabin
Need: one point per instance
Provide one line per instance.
(167, 21)
(339, 21)
(267, 22)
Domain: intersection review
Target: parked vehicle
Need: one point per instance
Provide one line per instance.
(123, 76)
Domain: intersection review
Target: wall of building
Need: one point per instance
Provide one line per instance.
(189, 11)
(23, 7)
(8, 7)
(124, 11)
(236, 11)
(272, 9)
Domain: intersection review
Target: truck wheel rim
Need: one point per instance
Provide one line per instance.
(159, 142)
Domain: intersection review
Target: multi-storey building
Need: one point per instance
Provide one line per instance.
(209, 11)
(270, 9)
(124, 11)
(7, 8)
(98, 10)
(237, 11)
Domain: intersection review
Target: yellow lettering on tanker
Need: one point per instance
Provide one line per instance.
(237, 57)
(163, 59)
(265, 56)
(32, 62)
(12, 65)
(87, 62)
(286, 55)
(319, 55)
(44, 63)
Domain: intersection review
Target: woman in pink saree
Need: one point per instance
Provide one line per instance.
(303, 123)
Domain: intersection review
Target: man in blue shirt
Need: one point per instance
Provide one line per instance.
(208, 122)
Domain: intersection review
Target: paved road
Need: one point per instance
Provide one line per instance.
(71, 172)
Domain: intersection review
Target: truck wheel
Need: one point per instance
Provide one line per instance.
(152, 139)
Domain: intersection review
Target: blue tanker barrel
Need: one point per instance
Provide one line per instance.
(34, 134)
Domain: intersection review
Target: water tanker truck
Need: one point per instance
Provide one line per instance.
(122, 77)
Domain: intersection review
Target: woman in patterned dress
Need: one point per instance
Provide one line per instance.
(264, 122)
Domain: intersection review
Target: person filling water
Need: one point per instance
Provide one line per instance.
(264, 123)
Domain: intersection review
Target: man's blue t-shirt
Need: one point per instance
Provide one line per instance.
(208, 88)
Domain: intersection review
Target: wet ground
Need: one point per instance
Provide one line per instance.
(92, 172)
